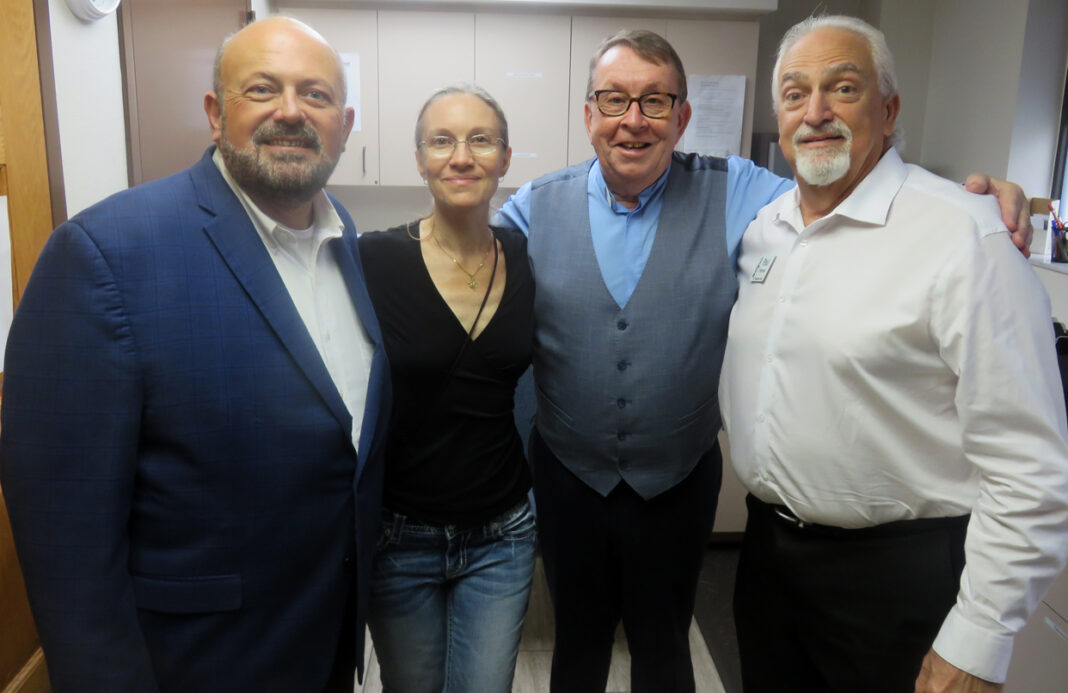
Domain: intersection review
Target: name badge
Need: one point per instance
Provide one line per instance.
(762, 269)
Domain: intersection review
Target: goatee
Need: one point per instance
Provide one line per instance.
(826, 165)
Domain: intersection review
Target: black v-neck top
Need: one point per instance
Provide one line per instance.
(453, 455)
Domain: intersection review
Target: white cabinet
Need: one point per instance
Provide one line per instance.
(419, 52)
(1040, 656)
(353, 32)
(522, 60)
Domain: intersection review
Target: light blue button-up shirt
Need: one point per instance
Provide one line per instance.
(623, 238)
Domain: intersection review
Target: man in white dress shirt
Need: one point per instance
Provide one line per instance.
(893, 402)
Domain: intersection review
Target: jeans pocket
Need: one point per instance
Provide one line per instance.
(517, 525)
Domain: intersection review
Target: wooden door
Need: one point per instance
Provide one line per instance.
(168, 50)
(24, 181)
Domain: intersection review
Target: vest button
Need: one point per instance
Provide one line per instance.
(621, 402)
(621, 436)
(622, 324)
(622, 365)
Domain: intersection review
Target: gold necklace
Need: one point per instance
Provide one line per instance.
(472, 283)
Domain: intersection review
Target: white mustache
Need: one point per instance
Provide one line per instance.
(834, 127)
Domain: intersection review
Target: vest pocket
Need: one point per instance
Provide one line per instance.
(188, 595)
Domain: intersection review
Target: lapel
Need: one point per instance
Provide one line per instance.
(347, 254)
(242, 249)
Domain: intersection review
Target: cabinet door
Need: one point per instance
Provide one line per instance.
(418, 53)
(354, 34)
(709, 47)
(1040, 655)
(522, 60)
(586, 34)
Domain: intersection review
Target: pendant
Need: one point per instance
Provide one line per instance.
(472, 283)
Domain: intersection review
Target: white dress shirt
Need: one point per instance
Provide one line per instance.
(310, 273)
(897, 362)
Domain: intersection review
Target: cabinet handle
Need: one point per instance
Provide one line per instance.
(365, 159)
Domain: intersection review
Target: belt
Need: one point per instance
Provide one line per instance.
(896, 528)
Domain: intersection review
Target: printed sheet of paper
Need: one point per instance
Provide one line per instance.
(351, 62)
(718, 103)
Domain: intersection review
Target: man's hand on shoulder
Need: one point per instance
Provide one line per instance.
(1015, 209)
(939, 676)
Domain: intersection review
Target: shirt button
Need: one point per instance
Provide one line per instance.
(804, 244)
(760, 418)
(782, 299)
(622, 365)
(770, 358)
(621, 402)
(622, 324)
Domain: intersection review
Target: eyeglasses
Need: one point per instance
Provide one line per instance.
(655, 104)
(441, 146)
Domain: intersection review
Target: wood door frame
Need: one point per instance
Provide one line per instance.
(31, 177)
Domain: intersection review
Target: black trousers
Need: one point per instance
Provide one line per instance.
(826, 609)
(622, 557)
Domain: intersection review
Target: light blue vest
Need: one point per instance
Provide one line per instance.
(631, 393)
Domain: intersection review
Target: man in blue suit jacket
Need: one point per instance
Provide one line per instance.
(194, 406)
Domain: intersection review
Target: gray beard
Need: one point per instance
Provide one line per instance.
(285, 177)
(823, 168)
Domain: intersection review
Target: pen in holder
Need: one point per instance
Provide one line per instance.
(1058, 237)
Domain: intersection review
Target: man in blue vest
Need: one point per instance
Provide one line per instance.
(629, 340)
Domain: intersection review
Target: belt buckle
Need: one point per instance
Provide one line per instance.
(790, 517)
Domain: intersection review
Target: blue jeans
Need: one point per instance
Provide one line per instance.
(448, 604)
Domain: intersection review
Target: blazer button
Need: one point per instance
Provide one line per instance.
(622, 324)
(622, 365)
(621, 402)
(621, 436)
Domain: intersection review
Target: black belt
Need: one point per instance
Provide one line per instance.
(888, 529)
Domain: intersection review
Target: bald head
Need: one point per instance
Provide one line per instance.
(271, 27)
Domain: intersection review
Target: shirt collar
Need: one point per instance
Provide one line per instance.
(598, 188)
(870, 201)
(325, 220)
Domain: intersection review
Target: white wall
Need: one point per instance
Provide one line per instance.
(909, 29)
(92, 134)
(264, 8)
(1039, 97)
(971, 98)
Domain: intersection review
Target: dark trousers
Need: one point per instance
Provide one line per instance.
(622, 557)
(825, 609)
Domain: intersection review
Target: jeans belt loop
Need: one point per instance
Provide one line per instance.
(398, 528)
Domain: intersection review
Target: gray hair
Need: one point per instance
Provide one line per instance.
(216, 67)
(650, 46)
(472, 90)
(881, 57)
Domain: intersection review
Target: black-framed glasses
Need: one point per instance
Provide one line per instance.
(441, 146)
(654, 104)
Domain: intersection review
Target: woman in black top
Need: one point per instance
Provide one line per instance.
(455, 299)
